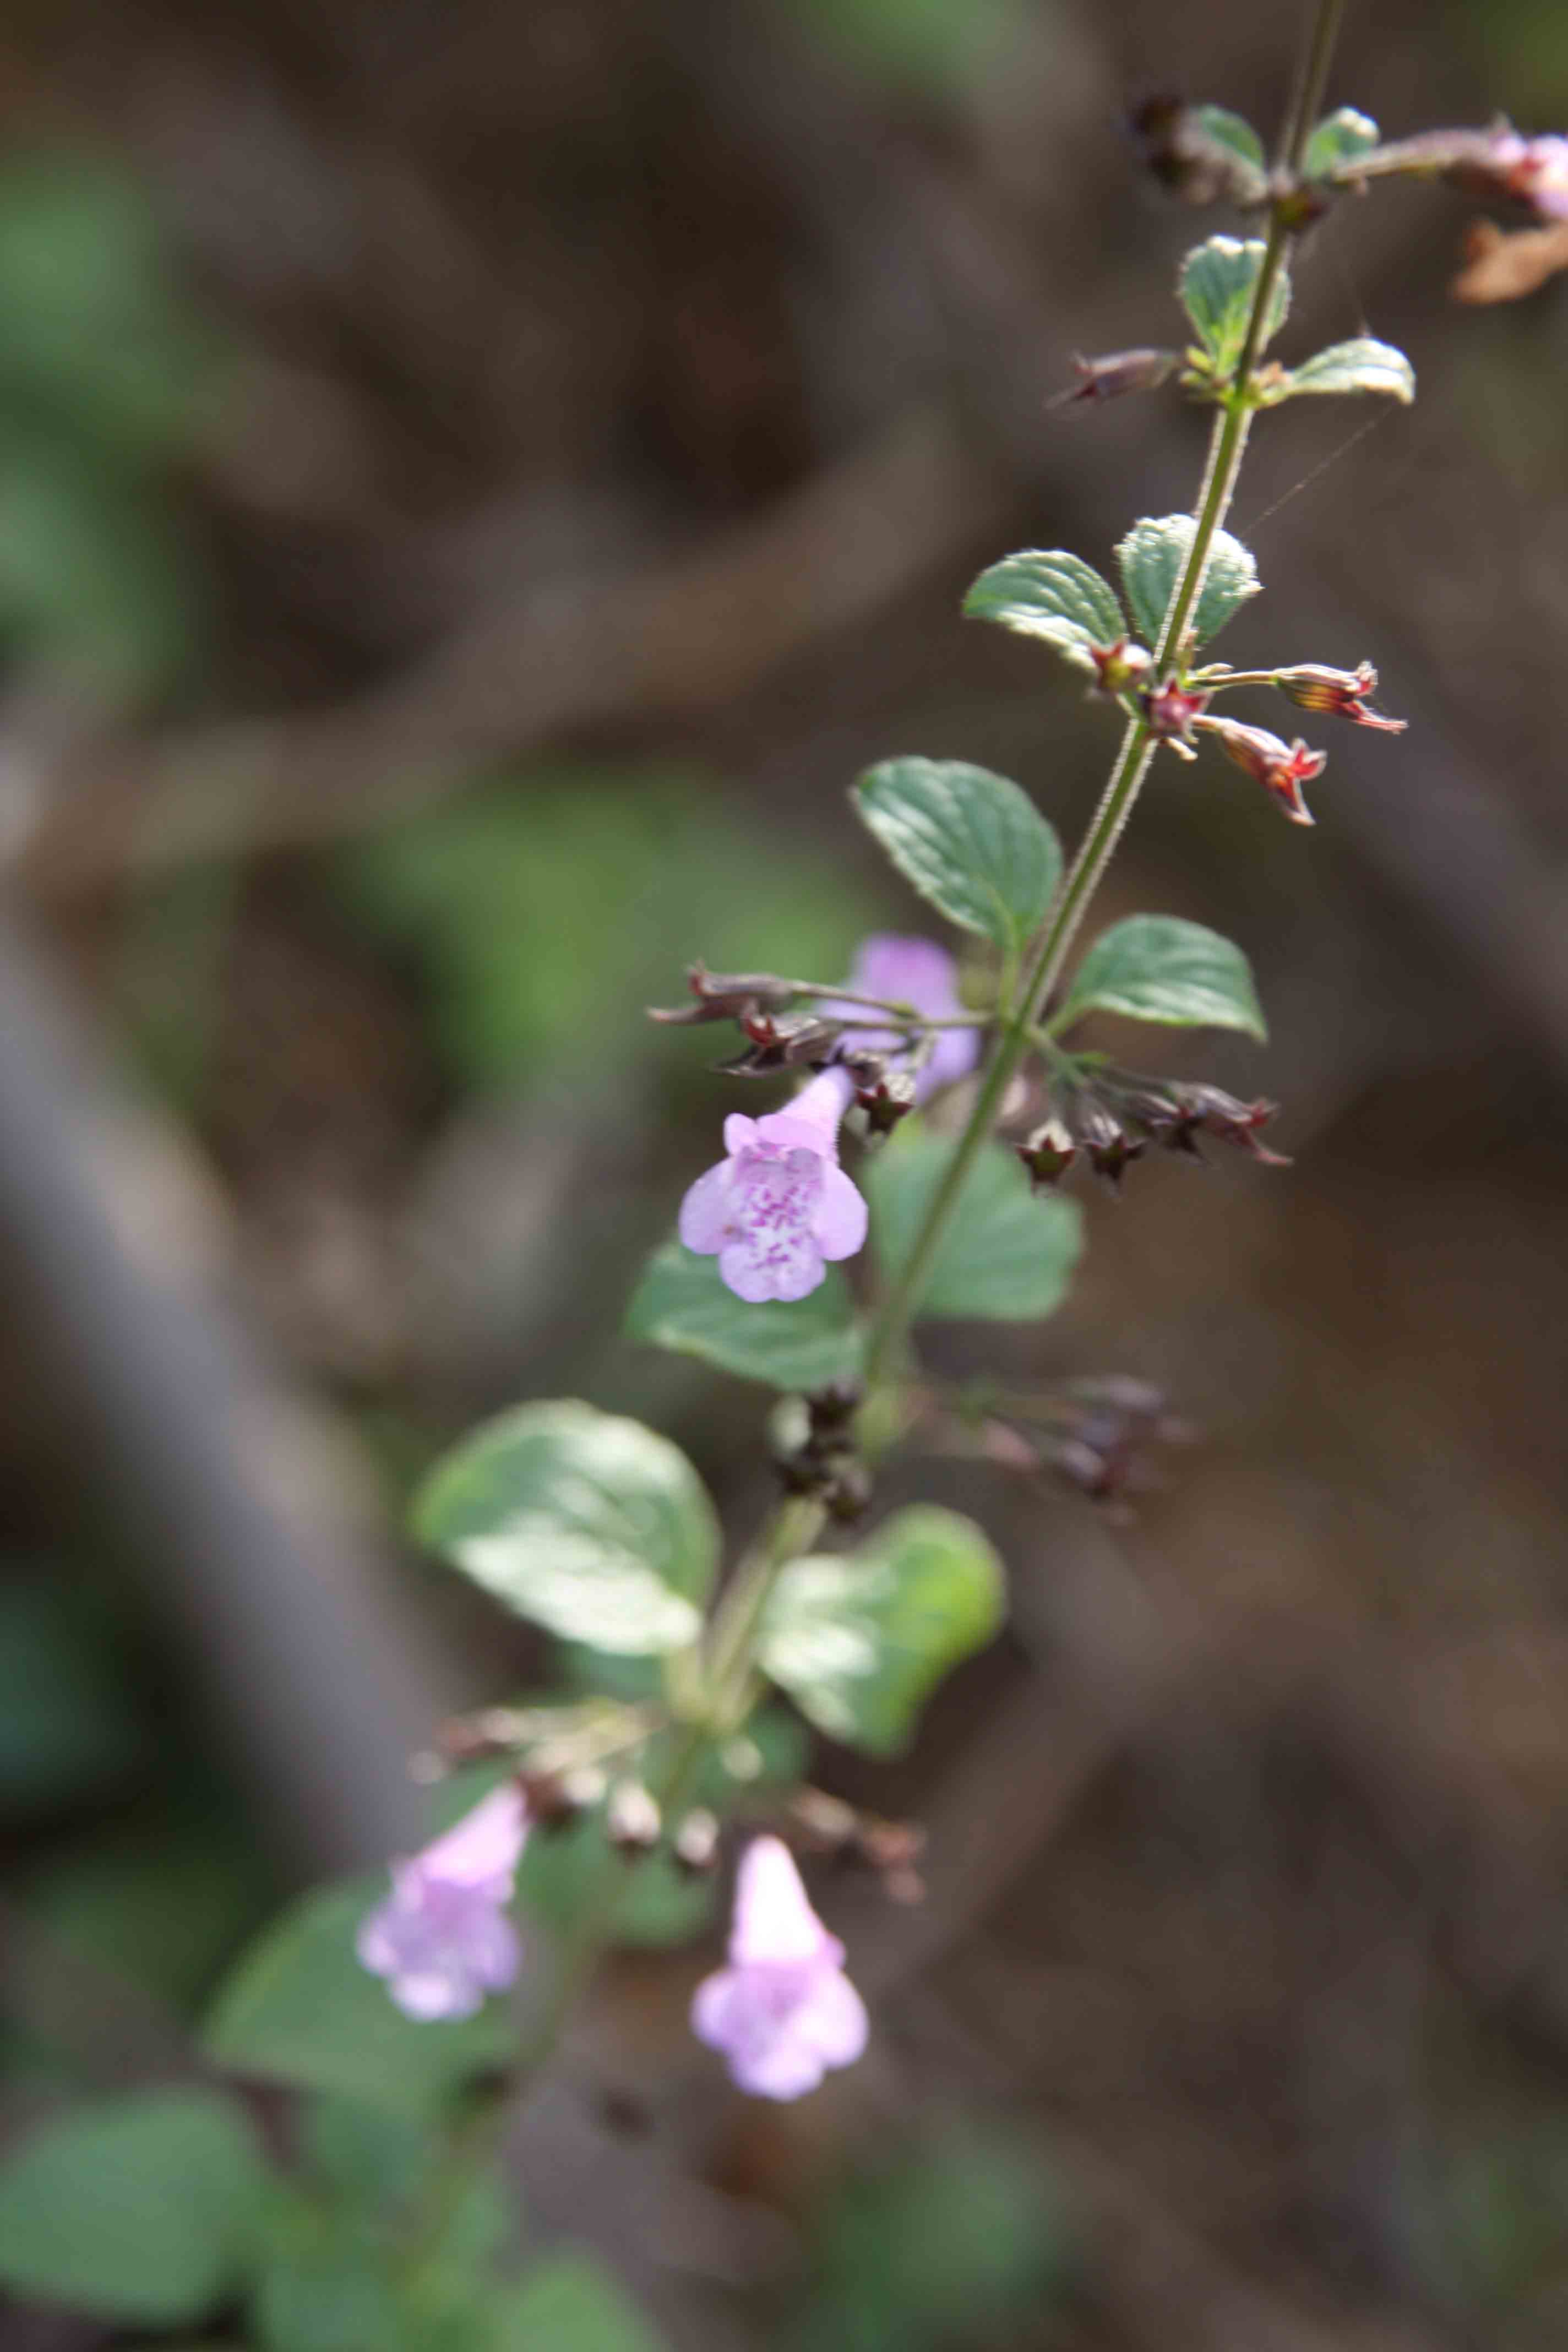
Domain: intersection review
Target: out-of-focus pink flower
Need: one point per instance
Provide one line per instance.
(778, 1205)
(442, 1939)
(1535, 170)
(904, 969)
(782, 2012)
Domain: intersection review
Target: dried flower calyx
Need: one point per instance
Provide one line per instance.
(1344, 692)
(1116, 373)
(1282, 768)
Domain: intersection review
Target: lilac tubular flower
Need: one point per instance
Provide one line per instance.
(442, 1939)
(782, 2012)
(778, 1206)
(916, 972)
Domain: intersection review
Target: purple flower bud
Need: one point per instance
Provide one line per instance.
(442, 1939)
(918, 973)
(778, 1206)
(782, 2012)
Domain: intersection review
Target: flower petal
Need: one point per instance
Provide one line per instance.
(840, 1224)
(774, 1920)
(484, 1846)
(833, 2021)
(740, 1134)
(779, 1266)
(705, 1211)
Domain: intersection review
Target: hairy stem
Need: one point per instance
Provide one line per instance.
(1233, 423)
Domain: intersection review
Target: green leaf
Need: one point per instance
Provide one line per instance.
(681, 1303)
(1051, 595)
(1361, 365)
(570, 2303)
(859, 1643)
(299, 2009)
(142, 2209)
(1152, 557)
(971, 842)
(326, 2286)
(365, 2155)
(1159, 968)
(1339, 139)
(1006, 1255)
(590, 1525)
(1217, 284)
(1236, 134)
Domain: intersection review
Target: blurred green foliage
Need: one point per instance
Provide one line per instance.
(937, 2247)
(101, 367)
(925, 45)
(545, 913)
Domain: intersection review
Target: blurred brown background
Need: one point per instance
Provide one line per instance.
(475, 484)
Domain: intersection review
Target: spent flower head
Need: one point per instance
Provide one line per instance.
(778, 1206)
(782, 2012)
(442, 1939)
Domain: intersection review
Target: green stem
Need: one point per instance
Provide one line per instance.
(1227, 443)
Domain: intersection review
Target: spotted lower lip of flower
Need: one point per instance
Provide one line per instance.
(1342, 691)
(1283, 767)
(782, 2013)
(908, 970)
(778, 1207)
(441, 1939)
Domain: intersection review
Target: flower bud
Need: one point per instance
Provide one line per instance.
(725, 996)
(1116, 373)
(631, 1819)
(1283, 768)
(1120, 667)
(696, 1842)
(1342, 691)
(1169, 710)
(1047, 1154)
(789, 1041)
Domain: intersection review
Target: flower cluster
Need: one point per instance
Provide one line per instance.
(1112, 1116)
(778, 1208)
(781, 2013)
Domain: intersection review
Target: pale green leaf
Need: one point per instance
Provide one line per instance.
(972, 843)
(298, 2007)
(858, 1642)
(1219, 281)
(681, 1303)
(1236, 135)
(1152, 557)
(1338, 139)
(1006, 1255)
(570, 2302)
(588, 1524)
(1052, 595)
(143, 2208)
(1160, 968)
(1362, 365)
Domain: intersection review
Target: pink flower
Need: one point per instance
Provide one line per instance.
(915, 971)
(778, 1206)
(1535, 170)
(1284, 767)
(442, 1939)
(782, 2012)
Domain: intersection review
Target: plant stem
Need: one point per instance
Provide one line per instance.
(1228, 443)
